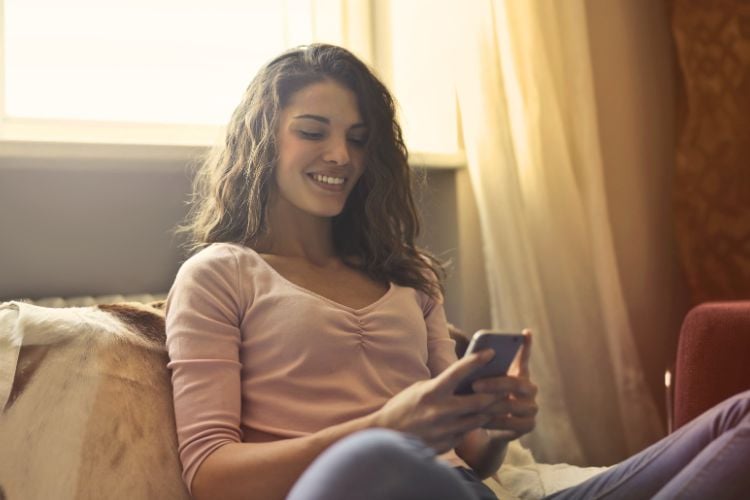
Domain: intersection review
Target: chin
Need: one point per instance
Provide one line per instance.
(321, 210)
(328, 208)
(329, 213)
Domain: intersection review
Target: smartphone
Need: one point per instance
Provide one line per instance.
(506, 347)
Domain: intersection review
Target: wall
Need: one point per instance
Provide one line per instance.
(84, 221)
(635, 77)
(88, 225)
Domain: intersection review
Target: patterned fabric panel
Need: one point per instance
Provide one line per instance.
(712, 178)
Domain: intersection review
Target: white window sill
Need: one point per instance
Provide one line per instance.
(35, 139)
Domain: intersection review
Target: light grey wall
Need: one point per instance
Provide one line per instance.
(88, 226)
(96, 225)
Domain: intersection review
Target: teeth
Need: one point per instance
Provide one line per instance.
(328, 180)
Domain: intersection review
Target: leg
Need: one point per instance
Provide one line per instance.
(379, 464)
(706, 458)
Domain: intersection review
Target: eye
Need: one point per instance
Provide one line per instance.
(358, 141)
(311, 135)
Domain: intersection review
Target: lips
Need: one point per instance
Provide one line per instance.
(334, 183)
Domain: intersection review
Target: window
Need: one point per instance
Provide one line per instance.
(143, 61)
(420, 44)
(172, 71)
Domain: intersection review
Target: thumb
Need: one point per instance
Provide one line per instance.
(449, 379)
(525, 353)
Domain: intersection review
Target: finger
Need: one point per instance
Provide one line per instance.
(520, 388)
(457, 407)
(526, 390)
(524, 370)
(500, 409)
(469, 404)
(512, 408)
(496, 385)
(466, 424)
(516, 425)
(503, 434)
(450, 378)
(505, 387)
(450, 438)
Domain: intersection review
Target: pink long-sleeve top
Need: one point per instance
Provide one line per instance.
(250, 350)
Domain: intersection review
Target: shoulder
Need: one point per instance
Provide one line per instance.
(221, 256)
(228, 264)
(215, 258)
(209, 276)
(427, 302)
(433, 280)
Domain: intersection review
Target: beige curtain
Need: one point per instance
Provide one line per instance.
(529, 129)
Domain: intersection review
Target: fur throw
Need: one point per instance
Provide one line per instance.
(86, 404)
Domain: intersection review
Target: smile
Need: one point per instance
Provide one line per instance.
(325, 179)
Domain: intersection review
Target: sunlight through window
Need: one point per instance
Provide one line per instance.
(163, 61)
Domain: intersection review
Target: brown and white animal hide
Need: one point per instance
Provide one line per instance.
(86, 404)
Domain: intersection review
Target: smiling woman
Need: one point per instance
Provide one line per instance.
(320, 150)
(308, 296)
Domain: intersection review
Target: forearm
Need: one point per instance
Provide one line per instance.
(483, 452)
(265, 470)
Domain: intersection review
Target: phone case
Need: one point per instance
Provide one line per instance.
(505, 345)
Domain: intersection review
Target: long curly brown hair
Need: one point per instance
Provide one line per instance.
(377, 228)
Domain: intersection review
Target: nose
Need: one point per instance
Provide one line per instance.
(337, 151)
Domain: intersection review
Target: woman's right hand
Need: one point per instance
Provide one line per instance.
(430, 410)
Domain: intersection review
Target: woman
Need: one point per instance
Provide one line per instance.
(309, 350)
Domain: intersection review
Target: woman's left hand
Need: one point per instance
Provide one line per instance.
(514, 412)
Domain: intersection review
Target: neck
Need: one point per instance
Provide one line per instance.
(294, 233)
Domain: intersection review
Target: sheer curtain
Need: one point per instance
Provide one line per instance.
(529, 129)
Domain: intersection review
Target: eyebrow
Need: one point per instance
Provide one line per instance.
(323, 119)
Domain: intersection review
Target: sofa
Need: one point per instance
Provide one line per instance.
(87, 412)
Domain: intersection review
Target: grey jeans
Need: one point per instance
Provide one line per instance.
(706, 458)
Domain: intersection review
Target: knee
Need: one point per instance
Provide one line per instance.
(737, 409)
(382, 446)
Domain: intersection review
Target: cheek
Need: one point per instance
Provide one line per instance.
(288, 160)
(358, 159)
(284, 178)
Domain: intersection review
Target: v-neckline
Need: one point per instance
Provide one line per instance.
(359, 311)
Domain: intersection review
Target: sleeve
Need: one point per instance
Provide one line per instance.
(441, 348)
(203, 315)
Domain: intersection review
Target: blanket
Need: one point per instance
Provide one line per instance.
(86, 409)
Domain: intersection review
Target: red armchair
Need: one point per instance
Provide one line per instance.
(713, 358)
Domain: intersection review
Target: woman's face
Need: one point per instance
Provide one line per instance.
(321, 140)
